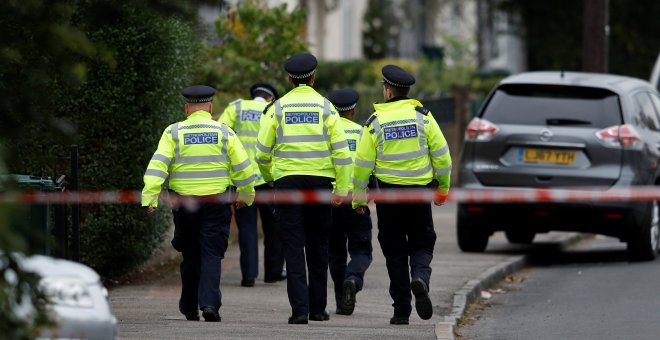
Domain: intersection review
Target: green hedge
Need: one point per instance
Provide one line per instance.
(118, 114)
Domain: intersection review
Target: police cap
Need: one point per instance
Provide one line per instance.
(267, 88)
(198, 93)
(301, 65)
(344, 99)
(396, 76)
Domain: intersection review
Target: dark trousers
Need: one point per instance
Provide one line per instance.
(246, 221)
(407, 237)
(351, 234)
(273, 251)
(201, 236)
(304, 230)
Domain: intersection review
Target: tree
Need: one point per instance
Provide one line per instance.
(255, 42)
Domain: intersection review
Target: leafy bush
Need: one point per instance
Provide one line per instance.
(116, 116)
(255, 40)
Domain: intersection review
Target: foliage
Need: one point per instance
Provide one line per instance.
(255, 41)
(553, 31)
(379, 29)
(116, 114)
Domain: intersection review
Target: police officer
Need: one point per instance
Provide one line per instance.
(347, 225)
(301, 146)
(244, 117)
(202, 158)
(404, 147)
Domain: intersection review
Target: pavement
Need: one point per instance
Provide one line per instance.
(148, 310)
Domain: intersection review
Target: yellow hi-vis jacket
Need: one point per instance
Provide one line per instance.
(201, 157)
(301, 135)
(352, 130)
(244, 117)
(401, 144)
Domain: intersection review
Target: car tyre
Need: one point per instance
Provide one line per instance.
(643, 241)
(472, 236)
(520, 236)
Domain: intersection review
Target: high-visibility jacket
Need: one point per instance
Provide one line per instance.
(401, 144)
(301, 135)
(201, 157)
(352, 130)
(244, 117)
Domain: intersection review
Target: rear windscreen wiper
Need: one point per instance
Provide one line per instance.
(566, 121)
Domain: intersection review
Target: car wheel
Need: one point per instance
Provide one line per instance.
(645, 237)
(522, 236)
(472, 236)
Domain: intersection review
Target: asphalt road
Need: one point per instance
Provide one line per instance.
(590, 291)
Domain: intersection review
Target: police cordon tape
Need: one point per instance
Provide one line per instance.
(508, 195)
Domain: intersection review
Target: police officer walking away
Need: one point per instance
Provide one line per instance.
(202, 158)
(244, 117)
(404, 146)
(304, 145)
(347, 225)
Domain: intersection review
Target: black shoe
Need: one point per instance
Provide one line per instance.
(399, 320)
(192, 316)
(324, 316)
(423, 303)
(348, 296)
(247, 283)
(210, 315)
(298, 320)
(340, 311)
(273, 279)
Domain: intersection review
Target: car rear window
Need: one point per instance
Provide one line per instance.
(553, 105)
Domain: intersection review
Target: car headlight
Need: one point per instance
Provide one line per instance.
(63, 291)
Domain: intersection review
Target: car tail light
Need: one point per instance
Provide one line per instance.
(480, 129)
(624, 136)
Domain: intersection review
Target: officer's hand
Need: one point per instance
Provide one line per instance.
(361, 210)
(239, 204)
(336, 200)
(440, 199)
(151, 210)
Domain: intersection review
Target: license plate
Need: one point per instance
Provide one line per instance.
(549, 156)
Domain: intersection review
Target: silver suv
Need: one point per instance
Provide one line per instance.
(563, 130)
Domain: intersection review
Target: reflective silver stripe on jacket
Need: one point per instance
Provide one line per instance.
(243, 182)
(302, 138)
(155, 172)
(403, 156)
(302, 154)
(263, 148)
(343, 161)
(200, 159)
(161, 158)
(365, 164)
(242, 166)
(225, 139)
(339, 145)
(421, 134)
(200, 174)
(175, 138)
(404, 173)
(247, 133)
(264, 162)
(376, 124)
(443, 171)
(359, 183)
(443, 150)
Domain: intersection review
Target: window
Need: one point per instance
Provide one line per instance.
(530, 104)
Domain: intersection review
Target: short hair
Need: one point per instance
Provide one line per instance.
(398, 91)
(300, 81)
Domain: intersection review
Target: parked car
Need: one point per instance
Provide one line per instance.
(78, 301)
(563, 130)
